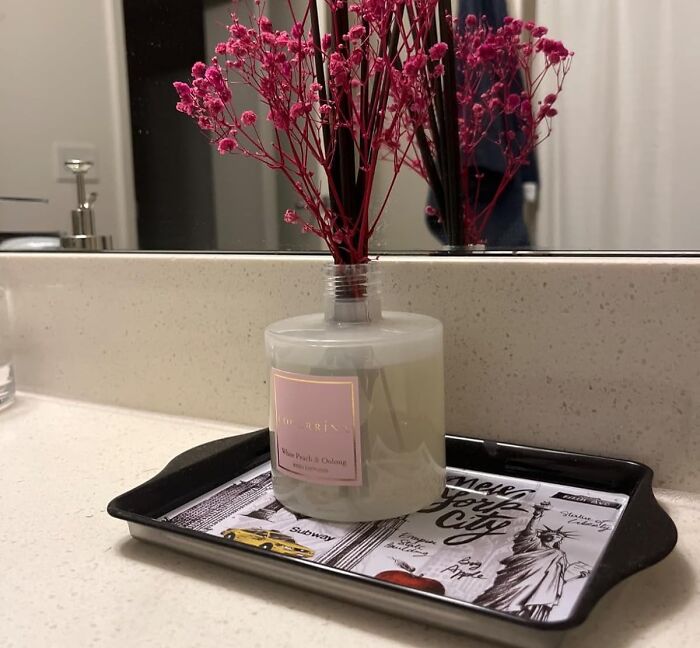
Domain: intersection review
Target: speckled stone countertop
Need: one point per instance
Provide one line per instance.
(595, 355)
(71, 575)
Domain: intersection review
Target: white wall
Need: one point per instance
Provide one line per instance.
(621, 171)
(403, 225)
(63, 80)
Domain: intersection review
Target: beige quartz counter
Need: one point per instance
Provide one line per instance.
(71, 576)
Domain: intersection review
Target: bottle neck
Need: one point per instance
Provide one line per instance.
(353, 293)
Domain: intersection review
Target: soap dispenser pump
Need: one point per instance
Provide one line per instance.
(83, 218)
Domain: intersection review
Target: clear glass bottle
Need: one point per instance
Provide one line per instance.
(357, 412)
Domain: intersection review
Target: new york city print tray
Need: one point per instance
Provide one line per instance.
(518, 550)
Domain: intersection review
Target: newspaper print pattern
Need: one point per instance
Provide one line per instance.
(522, 547)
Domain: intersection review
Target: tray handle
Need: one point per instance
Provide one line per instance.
(645, 535)
(198, 467)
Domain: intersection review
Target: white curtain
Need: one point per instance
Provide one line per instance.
(621, 169)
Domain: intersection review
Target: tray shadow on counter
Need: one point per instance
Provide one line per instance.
(286, 597)
(627, 613)
(622, 615)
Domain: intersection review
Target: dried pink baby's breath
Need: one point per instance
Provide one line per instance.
(492, 101)
(336, 103)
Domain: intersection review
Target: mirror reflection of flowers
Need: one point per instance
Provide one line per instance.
(335, 101)
(494, 96)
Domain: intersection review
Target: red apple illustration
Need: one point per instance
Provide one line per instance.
(407, 578)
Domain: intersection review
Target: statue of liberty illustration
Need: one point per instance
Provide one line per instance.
(533, 577)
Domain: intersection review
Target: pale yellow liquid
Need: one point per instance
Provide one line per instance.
(403, 446)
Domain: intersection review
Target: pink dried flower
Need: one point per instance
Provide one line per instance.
(298, 110)
(512, 103)
(227, 144)
(525, 110)
(494, 105)
(297, 30)
(215, 106)
(186, 108)
(198, 70)
(184, 91)
(290, 216)
(312, 86)
(265, 24)
(516, 25)
(414, 64)
(356, 33)
(213, 75)
(437, 51)
(487, 52)
(248, 118)
(502, 69)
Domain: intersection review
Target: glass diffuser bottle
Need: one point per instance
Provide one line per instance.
(357, 410)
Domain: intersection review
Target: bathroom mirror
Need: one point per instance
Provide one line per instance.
(94, 79)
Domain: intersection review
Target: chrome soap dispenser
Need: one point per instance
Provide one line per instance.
(83, 218)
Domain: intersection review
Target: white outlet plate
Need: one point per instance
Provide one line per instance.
(63, 151)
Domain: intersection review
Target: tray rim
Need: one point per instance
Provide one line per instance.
(579, 613)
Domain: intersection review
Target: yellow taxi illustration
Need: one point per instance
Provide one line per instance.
(270, 540)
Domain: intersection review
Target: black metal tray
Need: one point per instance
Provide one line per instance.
(642, 535)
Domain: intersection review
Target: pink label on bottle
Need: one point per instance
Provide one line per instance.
(316, 420)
